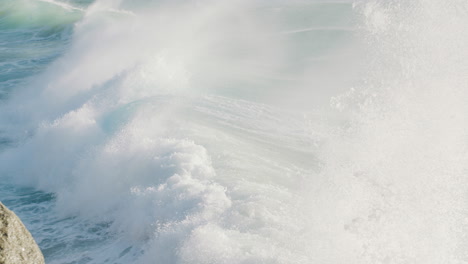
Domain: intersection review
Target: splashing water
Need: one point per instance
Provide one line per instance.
(201, 131)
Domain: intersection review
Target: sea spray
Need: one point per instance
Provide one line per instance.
(110, 131)
(159, 139)
(396, 173)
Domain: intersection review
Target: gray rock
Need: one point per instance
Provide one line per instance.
(17, 246)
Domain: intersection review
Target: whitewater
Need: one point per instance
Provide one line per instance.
(243, 131)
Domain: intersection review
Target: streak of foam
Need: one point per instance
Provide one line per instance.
(63, 5)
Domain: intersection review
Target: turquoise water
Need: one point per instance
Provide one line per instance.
(236, 131)
(33, 35)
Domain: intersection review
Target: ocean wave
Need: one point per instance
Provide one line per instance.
(196, 132)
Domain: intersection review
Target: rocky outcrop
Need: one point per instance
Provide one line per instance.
(17, 246)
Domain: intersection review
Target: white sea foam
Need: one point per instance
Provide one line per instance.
(161, 121)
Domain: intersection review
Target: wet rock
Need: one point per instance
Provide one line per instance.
(17, 246)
